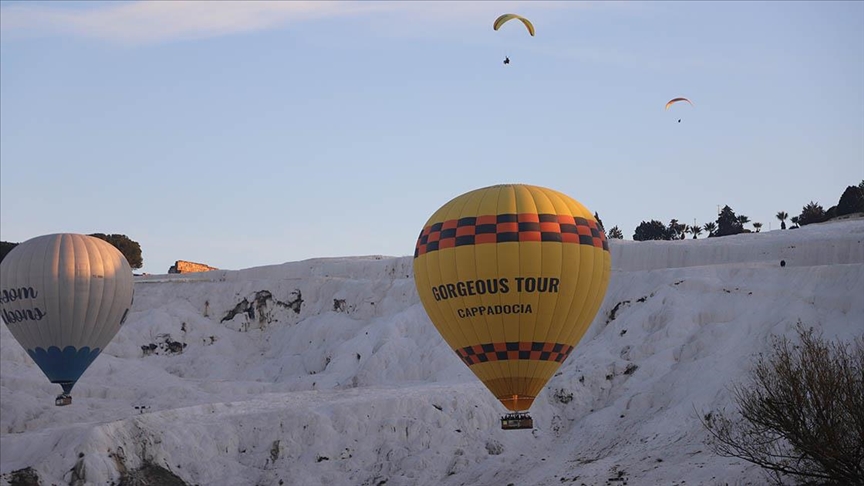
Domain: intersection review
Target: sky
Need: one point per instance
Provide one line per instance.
(255, 133)
(368, 392)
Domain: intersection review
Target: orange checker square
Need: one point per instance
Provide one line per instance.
(465, 230)
(447, 243)
(529, 236)
(583, 230)
(487, 219)
(535, 355)
(450, 224)
(550, 227)
(566, 219)
(512, 354)
(548, 347)
(485, 238)
(598, 242)
(569, 238)
(499, 346)
(508, 227)
(528, 218)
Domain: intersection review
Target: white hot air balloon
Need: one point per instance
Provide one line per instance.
(64, 297)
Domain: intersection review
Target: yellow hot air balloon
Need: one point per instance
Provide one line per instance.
(512, 275)
(507, 17)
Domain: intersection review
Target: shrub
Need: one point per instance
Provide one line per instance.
(130, 248)
(852, 201)
(652, 230)
(5, 248)
(801, 414)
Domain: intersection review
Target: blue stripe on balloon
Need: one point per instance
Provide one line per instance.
(64, 367)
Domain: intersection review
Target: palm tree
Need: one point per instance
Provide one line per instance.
(758, 226)
(676, 229)
(742, 220)
(782, 216)
(710, 227)
(696, 231)
(794, 220)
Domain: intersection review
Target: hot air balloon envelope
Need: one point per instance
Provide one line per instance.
(512, 276)
(63, 297)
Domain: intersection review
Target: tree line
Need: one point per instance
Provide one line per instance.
(729, 223)
(130, 248)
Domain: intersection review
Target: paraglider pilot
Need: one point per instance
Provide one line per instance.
(506, 60)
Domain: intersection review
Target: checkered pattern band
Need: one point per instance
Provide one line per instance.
(501, 228)
(482, 353)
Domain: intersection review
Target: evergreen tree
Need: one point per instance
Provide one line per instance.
(599, 222)
(728, 223)
(811, 213)
(615, 234)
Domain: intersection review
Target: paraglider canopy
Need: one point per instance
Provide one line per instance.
(507, 17)
(676, 100)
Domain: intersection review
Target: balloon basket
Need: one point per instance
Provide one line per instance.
(517, 421)
(63, 400)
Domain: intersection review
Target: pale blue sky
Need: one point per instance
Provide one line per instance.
(250, 134)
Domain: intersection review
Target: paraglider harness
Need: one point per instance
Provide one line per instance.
(516, 421)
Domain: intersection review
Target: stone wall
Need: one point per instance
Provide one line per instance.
(182, 266)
